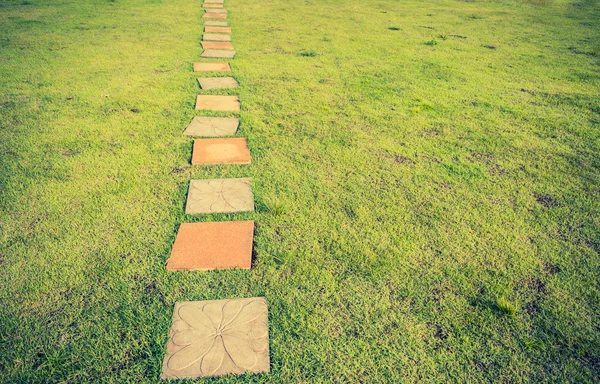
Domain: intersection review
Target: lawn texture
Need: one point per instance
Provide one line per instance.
(426, 181)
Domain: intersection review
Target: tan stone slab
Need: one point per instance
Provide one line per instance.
(217, 29)
(212, 126)
(217, 54)
(213, 16)
(215, 37)
(214, 245)
(212, 23)
(214, 6)
(217, 82)
(216, 45)
(212, 67)
(213, 1)
(217, 103)
(217, 11)
(217, 337)
(220, 151)
(220, 196)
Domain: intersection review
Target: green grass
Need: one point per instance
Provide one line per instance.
(402, 187)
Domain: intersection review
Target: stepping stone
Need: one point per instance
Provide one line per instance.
(220, 196)
(217, 103)
(217, 54)
(210, 23)
(212, 67)
(220, 151)
(214, 245)
(212, 6)
(214, 16)
(217, 82)
(217, 11)
(216, 45)
(212, 126)
(213, 1)
(217, 29)
(215, 37)
(216, 338)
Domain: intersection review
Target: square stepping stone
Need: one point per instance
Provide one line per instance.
(217, 11)
(217, 337)
(214, 16)
(217, 54)
(213, 1)
(212, 126)
(215, 37)
(217, 82)
(217, 29)
(214, 245)
(211, 23)
(212, 67)
(220, 151)
(217, 103)
(216, 45)
(220, 196)
(214, 6)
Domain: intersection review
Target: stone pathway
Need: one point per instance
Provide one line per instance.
(216, 337)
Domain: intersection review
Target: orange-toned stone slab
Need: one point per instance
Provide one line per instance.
(220, 151)
(213, 1)
(217, 29)
(212, 23)
(213, 16)
(216, 338)
(216, 37)
(217, 11)
(217, 54)
(217, 103)
(217, 82)
(217, 6)
(220, 196)
(214, 245)
(212, 67)
(216, 45)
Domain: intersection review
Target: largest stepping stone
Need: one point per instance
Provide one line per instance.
(220, 151)
(217, 103)
(216, 338)
(212, 126)
(220, 196)
(212, 23)
(215, 37)
(217, 82)
(217, 54)
(216, 45)
(214, 16)
(213, 245)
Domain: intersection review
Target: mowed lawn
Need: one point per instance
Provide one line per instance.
(426, 177)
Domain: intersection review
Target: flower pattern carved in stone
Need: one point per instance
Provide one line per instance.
(220, 196)
(213, 338)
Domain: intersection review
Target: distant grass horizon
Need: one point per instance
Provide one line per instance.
(426, 179)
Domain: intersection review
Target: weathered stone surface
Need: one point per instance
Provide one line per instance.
(217, 103)
(220, 196)
(220, 151)
(217, 54)
(212, 126)
(217, 29)
(212, 67)
(214, 16)
(217, 337)
(213, 245)
(216, 45)
(212, 23)
(217, 11)
(214, 6)
(215, 37)
(217, 82)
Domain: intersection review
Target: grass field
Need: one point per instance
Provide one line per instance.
(426, 175)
